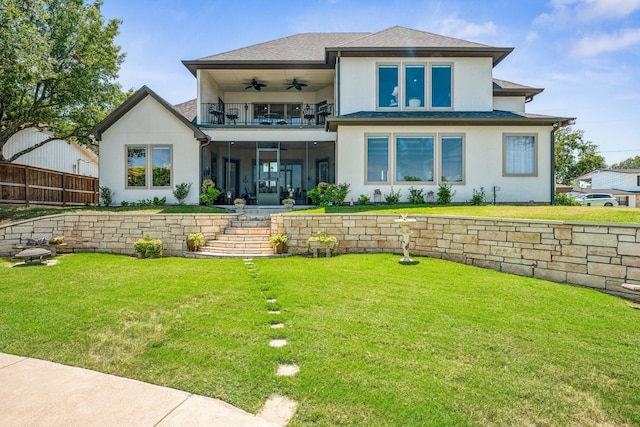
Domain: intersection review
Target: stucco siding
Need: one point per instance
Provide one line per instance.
(149, 123)
(472, 82)
(483, 162)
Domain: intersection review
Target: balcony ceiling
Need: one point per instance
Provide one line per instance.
(276, 80)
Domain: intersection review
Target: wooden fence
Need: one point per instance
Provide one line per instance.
(29, 186)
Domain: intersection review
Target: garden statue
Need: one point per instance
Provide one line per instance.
(405, 232)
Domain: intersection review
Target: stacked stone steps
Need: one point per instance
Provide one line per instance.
(245, 237)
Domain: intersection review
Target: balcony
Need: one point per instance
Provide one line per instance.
(262, 115)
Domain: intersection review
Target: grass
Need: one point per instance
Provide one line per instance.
(378, 343)
(558, 213)
(13, 214)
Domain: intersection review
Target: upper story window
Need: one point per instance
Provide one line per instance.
(414, 86)
(441, 86)
(387, 86)
(410, 86)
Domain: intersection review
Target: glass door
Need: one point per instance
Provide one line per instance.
(267, 163)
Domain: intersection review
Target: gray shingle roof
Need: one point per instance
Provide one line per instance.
(298, 47)
(397, 37)
(322, 48)
(188, 109)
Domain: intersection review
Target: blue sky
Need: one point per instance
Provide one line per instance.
(585, 53)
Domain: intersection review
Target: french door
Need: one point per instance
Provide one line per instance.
(268, 176)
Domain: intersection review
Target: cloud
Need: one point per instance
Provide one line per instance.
(567, 11)
(454, 27)
(601, 43)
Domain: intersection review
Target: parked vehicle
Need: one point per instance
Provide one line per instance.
(597, 199)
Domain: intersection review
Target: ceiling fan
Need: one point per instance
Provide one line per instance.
(254, 84)
(297, 85)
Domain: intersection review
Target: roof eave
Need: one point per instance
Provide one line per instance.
(332, 123)
(528, 92)
(496, 53)
(195, 65)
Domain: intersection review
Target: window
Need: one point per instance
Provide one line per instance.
(161, 166)
(137, 166)
(519, 155)
(414, 158)
(441, 86)
(414, 86)
(387, 86)
(139, 162)
(452, 158)
(377, 159)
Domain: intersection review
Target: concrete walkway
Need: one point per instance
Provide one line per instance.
(36, 392)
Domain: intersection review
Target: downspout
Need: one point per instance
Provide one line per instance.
(337, 113)
(556, 126)
(337, 109)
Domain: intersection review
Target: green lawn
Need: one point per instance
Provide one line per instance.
(378, 343)
(559, 213)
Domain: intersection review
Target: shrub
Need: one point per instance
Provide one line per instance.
(106, 196)
(325, 194)
(363, 199)
(416, 195)
(159, 201)
(479, 197)
(393, 197)
(209, 192)
(445, 194)
(148, 247)
(565, 200)
(181, 192)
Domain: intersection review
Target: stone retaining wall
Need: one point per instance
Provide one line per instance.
(113, 233)
(601, 256)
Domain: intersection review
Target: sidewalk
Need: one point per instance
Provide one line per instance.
(36, 392)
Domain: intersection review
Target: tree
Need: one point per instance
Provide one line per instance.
(574, 156)
(58, 65)
(630, 163)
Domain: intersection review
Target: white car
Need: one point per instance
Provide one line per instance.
(597, 199)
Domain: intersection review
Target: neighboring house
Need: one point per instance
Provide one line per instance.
(624, 184)
(398, 108)
(58, 155)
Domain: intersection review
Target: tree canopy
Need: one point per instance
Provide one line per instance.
(630, 163)
(58, 68)
(574, 156)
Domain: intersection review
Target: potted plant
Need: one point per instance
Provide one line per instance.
(148, 247)
(54, 242)
(288, 203)
(322, 241)
(194, 241)
(278, 241)
(239, 203)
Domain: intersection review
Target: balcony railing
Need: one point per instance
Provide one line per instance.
(273, 114)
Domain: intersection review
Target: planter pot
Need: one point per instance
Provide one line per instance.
(279, 248)
(288, 207)
(192, 246)
(240, 207)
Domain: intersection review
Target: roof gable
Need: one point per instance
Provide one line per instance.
(134, 100)
(401, 37)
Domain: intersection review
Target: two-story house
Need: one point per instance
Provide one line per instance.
(624, 184)
(397, 108)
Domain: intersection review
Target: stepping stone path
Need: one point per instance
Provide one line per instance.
(287, 370)
(278, 343)
(278, 409)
